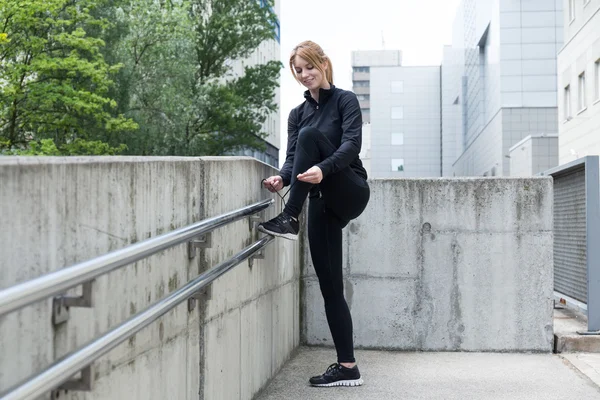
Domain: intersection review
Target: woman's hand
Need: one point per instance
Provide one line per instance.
(313, 175)
(273, 183)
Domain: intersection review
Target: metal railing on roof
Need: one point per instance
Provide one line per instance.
(26, 293)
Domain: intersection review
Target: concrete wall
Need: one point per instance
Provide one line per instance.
(60, 211)
(446, 264)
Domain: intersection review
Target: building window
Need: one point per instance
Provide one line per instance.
(571, 10)
(398, 165)
(567, 104)
(363, 97)
(361, 69)
(397, 112)
(581, 92)
(597, 73)
(397, 86)
(361, 83)
(397, 139)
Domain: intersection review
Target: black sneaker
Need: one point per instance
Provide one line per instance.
(282, 225)
(338, 375)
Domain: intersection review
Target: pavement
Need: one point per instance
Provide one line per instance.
(448, 376)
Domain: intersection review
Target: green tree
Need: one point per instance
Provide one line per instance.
(78, 147)
(177, 81)
(53, 77)
(228, 115)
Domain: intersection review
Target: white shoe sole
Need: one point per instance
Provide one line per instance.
(289, 236)
(355, 382)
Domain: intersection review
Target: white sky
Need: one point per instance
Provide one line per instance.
(419, 28)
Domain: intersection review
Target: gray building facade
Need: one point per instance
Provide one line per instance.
(362, 62)
(579, 81)
(500, 82)
(405, 122)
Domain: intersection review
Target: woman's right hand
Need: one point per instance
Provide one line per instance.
(273, 183)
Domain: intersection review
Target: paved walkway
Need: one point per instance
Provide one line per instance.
(447, 376)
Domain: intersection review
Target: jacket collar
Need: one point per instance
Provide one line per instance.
(324, 95)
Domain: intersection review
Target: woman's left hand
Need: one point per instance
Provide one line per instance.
(313, 175)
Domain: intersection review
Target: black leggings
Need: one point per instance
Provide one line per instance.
(341, 197)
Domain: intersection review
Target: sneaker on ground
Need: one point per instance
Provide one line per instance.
(338, 375)
(282, 225)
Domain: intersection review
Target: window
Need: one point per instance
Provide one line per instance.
(397, 112)
(361, 69)
(397, 139)
(581, 92)
(397, 165)
(597, 73)
(363, 97)
(361, 83)
(397, 86)
(571, 10)
(567, 104)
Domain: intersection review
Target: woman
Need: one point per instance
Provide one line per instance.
(324, 140)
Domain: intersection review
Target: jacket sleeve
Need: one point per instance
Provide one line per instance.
(351, 136)
(286, 170)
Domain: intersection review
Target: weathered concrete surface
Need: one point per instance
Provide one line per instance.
(252, 320)
(446, 264)
(431, 376)
(60, 211)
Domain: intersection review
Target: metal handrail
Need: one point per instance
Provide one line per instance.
(63, 369)
(29, 292)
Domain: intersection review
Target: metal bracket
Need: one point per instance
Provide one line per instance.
(61, 304)
(253, 222)
(202, 242)
(83, 384)
(204, 294)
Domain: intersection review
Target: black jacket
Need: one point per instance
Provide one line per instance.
(337, 116)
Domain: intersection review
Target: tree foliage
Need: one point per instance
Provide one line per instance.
(147, 77)
(53, 78)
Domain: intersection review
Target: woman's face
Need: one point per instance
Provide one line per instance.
(308, 74)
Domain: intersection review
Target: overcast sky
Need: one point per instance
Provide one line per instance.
(419, 28)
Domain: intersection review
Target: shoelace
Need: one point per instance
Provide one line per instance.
(277, 191)
(332, 369)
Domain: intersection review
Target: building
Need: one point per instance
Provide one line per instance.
(579, 81)
(405, 122)
(362, 62)
(401, 112)
(493, 105)
(499, 84)
(267, 51)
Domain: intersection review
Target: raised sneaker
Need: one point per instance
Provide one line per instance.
(338, 375)
(282, 225)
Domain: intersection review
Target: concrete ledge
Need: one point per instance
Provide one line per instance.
(567, 322)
